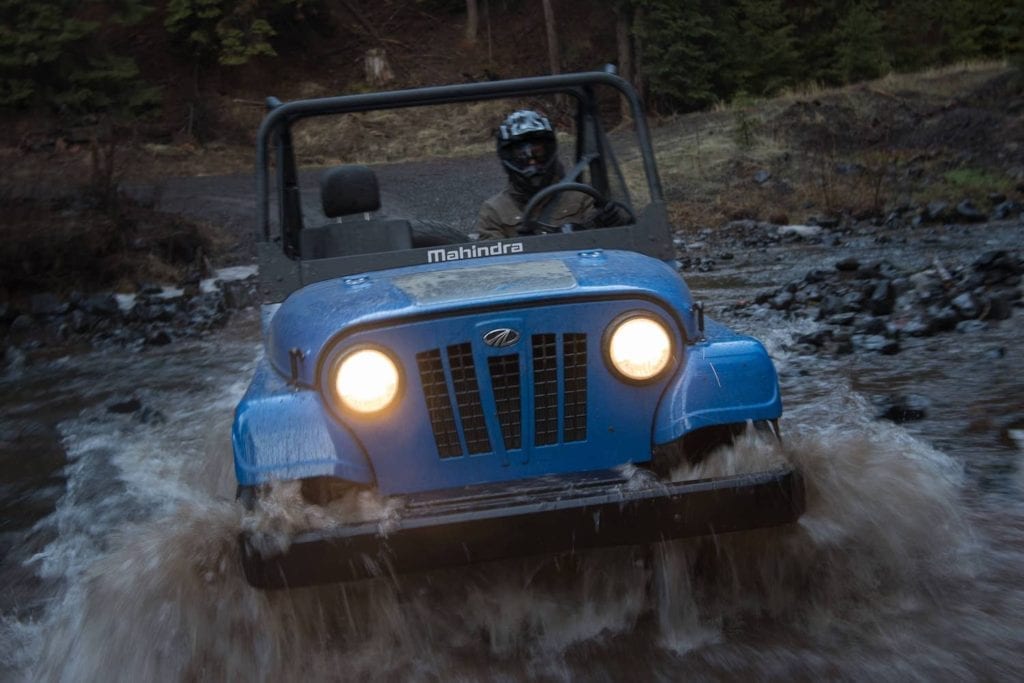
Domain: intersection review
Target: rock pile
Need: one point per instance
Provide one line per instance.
(152, 316)
(873, 306)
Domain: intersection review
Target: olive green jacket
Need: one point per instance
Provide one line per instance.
(501, 215)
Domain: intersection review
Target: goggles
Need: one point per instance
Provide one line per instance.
(527, 154)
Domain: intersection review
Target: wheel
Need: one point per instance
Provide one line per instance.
(532, 225)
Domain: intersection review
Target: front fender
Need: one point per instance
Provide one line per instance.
(282, 433)
(726, 378)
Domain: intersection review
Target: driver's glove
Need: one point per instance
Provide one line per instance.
(609, 215)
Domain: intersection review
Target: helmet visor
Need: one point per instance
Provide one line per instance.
(530, 155)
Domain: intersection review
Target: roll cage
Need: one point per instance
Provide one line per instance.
(283, 271)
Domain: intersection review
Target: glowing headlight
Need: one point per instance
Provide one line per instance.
(366, 381)
(640, 348)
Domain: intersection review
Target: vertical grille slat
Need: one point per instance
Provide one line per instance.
(545, 389)
(556, 372)
(506, 383)
(574, 363)
(467, 397)
(439, 405)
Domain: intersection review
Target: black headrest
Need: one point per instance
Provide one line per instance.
(346, 190)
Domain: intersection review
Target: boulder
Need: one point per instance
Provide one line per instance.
(900, 409)
(967, 211)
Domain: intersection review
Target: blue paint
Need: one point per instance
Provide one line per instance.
(286, 431)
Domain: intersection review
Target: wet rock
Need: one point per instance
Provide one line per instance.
(802, 231)
(936, 211)
(996, 353)
(46, 304)
(877, 343)
(783, 301)
(7, 313)
(100, 304)
(242, 294)
(853, 301)
(124, 407)
(817, 339)
(815, 276)
(847, 265)
(966, 305)
(159, 337)
(869, 325)
(1012, 433)
(22, 324)
(970, 326)
(998, 306)
(917, 328)
(79, 321)
(1005, 209)
(828, 222)
(900, 409)
(882, 299)
(966, 210)
(942, 320)
(842, 319)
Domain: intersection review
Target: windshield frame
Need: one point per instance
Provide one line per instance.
(285, 273)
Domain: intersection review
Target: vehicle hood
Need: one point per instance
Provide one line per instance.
(312, 318)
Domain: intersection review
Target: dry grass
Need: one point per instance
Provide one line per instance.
(399, 134)
(857, 150)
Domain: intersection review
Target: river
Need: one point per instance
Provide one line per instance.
(120, 560)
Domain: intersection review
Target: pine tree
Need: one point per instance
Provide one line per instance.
(765, 53)
(51, 57)
(860, 48)
(682, 52)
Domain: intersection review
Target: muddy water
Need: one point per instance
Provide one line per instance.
(120, 560)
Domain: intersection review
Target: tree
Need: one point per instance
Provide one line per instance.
(224, 31)
(623, 28)
(764, 51)
(860, 50)
(682, 52)
(50, 57)
(472, 21)
(552, 31)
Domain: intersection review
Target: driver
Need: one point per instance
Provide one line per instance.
(528, 151)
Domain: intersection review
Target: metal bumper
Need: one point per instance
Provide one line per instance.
(547, 516)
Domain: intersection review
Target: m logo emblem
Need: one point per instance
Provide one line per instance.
(501, 337)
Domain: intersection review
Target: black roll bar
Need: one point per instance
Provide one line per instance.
(281, 116)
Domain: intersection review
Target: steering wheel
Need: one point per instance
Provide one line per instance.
(532, 225)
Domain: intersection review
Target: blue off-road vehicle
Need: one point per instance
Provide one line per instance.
(507, 397)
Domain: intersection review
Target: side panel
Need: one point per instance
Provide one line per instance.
(282, 433)
(727, 378)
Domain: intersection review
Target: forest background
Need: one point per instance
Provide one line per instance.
(177, 69)
(98, 94)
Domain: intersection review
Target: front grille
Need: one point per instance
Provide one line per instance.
(545, 389)
(506, 382)
(574, 362)
(467, 395)
(439, 405)
(557, 371)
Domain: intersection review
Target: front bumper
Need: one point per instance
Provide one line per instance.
(478, 524)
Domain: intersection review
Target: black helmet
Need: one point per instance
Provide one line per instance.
(528, 150)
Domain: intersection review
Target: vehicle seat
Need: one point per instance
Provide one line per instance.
(346, 192)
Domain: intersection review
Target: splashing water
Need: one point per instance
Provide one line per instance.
(884, 541)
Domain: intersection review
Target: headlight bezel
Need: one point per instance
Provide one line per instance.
(613, 327)
(330, 388)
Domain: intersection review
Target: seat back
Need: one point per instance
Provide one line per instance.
(347, 191)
